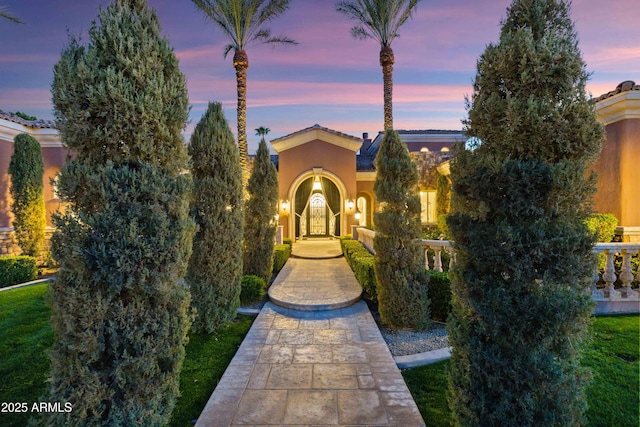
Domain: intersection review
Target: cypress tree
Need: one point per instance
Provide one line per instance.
(524, 257)
(402, 281)
(26, 169)
(260, 226)
(215, 268)
(120, 313)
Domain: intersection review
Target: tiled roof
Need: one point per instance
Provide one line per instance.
(365, 163)
(317, 126)
(625, 86)
(42, 124)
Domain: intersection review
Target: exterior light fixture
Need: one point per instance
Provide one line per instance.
(284, 207)
(350, 204)
(316, 184)
(358, 215)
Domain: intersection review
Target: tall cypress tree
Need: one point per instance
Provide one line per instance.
(26, 169)
(523, 254)
(260, 226)
(402, 281)
(215, 268)
(120, 314)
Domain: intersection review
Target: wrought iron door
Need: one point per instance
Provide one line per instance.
(318, 215)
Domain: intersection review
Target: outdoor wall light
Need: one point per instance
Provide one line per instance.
(284, 207)
(358, 215)
(350, 204)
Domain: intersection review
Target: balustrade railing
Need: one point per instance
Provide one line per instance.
(612, 284)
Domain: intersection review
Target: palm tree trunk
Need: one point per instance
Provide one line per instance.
(386, 61)
(241, 64)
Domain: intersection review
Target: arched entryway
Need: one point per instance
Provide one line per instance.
(317, 208)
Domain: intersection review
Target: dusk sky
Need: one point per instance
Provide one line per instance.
(329, 78)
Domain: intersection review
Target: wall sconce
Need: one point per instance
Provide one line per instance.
(358, 215)
(350, 204)
(284, 207)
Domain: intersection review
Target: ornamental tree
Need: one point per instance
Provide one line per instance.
(215, 268)
(260, 224)
(120, 312)
(524, 259)
(26, 169)
(402, 281)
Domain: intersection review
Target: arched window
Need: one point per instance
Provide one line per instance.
(361, 205)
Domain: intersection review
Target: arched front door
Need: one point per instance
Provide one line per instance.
(317, 208)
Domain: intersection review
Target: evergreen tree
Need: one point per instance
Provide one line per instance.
(26, 169)
(215, 268)
(402, 281)
(120, 314)
(524, 258)
(260, 225)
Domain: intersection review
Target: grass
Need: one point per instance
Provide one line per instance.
(25, 337)
(613, 395)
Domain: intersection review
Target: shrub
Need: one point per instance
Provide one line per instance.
(524, 262)
(603, 226)
(362, 264)
(17, 269)
(281, 254)
(402, 282)
(440, 295)
(261, 209)
(120, 311)
(287, 241)
(26, 169)
(215, 268)
(253, 289)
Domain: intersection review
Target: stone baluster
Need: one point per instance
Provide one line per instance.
(426, 257)
(638, 272)
(626, 274)
(595, 292)
(609, 275)
(437, 260)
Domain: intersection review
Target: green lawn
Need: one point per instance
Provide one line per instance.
(613, 395)
(25, 336)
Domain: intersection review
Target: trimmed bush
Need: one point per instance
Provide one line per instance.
(259, 222)
(253, 288)
(26, 169)
(402, 281)
(17, 269)
(362, 263)
(281, 254)
(215, 268)
(603, 226)
(440, 295)
(287, 241)
(524, 260)
(120, 310)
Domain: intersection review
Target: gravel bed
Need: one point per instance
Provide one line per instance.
(406, 342)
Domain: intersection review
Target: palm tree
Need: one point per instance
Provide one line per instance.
(242, 22)
(262, 131)
(4, 14)
(380, 20)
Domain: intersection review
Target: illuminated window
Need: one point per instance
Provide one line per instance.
(445, 149)
(428, 207)
(424, 150)
(362, 208)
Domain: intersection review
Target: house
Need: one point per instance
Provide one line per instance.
(326, 177)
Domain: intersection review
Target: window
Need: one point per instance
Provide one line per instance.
(428, 207)
(361, 205)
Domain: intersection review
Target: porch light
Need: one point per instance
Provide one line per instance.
(316, 184)
(350, 204)
(284, 207)
(358, 215)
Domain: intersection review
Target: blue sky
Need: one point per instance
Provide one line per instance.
(329, 78)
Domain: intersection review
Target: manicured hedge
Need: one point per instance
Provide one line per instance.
(361, 262)
(281, 254)
(17, 269)
(253, 288)
(440, 295)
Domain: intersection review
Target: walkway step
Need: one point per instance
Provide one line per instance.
(315, 285)
(312, 368)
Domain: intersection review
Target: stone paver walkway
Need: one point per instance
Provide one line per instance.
(312, 368)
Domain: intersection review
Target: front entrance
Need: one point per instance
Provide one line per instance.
(317, 208)
(318, 215)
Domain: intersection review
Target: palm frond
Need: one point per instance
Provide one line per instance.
(6, 15)
(228, 48)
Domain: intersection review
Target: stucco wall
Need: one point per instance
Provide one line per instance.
(618, 169)
(316, 154)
